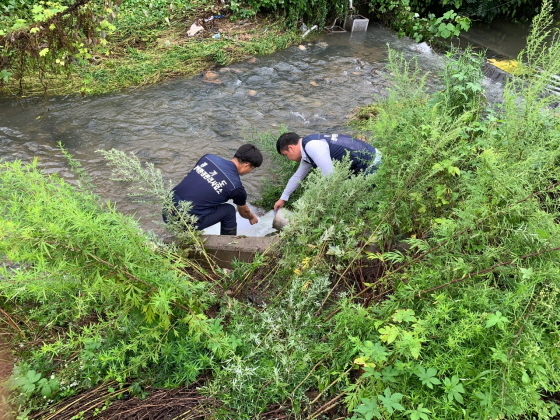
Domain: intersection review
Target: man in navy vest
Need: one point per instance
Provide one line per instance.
(319, 151)
(215, 180)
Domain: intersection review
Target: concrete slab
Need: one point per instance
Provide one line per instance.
(225, 249)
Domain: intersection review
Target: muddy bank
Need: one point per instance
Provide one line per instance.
(6, 366)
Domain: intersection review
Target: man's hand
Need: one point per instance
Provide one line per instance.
(279, 204)
(245, 212)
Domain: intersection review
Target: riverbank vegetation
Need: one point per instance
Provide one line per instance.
(429, 290)
(93, 47)
(97, 46)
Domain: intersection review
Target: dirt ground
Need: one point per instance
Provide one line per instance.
(6, 366)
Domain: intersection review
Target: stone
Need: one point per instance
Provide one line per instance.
(281, 219)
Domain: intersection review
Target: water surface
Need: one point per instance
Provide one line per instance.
(313, 87)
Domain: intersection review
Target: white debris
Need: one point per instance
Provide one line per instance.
(194, 29)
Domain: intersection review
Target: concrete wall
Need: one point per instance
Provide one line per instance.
(225, 249)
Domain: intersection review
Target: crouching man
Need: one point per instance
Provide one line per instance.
(212, 182)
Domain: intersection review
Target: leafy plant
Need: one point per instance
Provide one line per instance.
(459, 320)
(134, 310)
(471, 270)
(278, 346)
(463, 90)
(283, 170)
(30, 381)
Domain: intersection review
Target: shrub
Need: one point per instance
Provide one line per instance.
(104, 300)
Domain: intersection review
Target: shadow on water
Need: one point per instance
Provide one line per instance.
(499, 39)
(313, 87)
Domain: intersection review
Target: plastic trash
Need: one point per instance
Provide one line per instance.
(216, 36)
(194, 29)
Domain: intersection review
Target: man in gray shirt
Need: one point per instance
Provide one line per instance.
(319, 151)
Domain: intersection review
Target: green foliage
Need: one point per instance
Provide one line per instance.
(411, 18)
(31, 381)
(146, 184)
(283, 169)
(421, 21)
(518, 10)
(51, 35)
(324, 224)
(279, 344)
(141, 20)
(309, 11)
(123, 300)
(463, 91)
(460, 321)
(102, 46)
(469, 330)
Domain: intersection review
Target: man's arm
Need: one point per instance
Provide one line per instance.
(319, 152)
(293, 183)
(245, 212)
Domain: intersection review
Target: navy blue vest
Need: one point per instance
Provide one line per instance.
(213, 181)
(361, 154)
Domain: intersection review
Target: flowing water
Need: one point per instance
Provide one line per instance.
(313, 87)
(499, 39)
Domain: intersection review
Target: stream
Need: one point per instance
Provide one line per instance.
(311, 87)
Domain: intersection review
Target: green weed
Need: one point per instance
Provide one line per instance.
(120, 302)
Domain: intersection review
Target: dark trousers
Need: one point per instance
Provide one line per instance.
(225, 214)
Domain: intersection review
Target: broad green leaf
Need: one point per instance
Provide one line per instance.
(420, 413)
(46, 390)
(375, 351)
(389, 374)
(411, 343)
(428, 376)
(391, 401)
(454, 389)
(404, 315)
(363, 361)
(496, 319)
(453, 170)
(389, 333)
(485, 398)
(32, 376)
(368, 408)
(370, 371)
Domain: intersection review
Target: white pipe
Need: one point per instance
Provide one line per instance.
(309, 30)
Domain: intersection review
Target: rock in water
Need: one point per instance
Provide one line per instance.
(281, 219)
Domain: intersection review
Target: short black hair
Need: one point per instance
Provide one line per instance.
(249, 154)
(286, 140)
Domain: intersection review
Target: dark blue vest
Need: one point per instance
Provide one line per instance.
(361, 154)
(213, 181)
